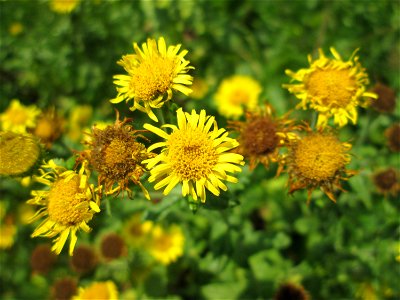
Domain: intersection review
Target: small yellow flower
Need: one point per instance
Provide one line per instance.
(78, 119)
(195, 155)
(261, 136)
(8, 230)
(237, 94)
(332, 87)
(63, 6)
(49, 127)
(18, 117)
(166, 244)
(152, 75)
(117, 156)
(199, 88)
(67, 206)
(136, 233)
(20, 153)
(104, 290)
(317, 160)
(15, 28)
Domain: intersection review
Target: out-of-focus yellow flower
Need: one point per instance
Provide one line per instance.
(332, 87)
(166, 244)
(49, 127)
(20, 153)
(63, 6)
(78, 119)
(237, 94)
(153, 74)
(25, 213)
(366, 292)
(18, 117)
(7, 232)
(195, 155)
(67, 206)
(104, 290)
(15, 28)
(199, 88)
(137, 233)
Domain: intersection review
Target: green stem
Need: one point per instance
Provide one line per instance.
(364, 130)
(160, 115)
(314, 118)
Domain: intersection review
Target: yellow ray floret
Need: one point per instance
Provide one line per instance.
(152, 75)
(332, 87)
(195, 155)
(67, 206)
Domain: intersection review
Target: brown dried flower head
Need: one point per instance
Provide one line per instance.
(386, 101)
(387, 182)
(261, 136)
(64, 289)
(84, 259)
(49, 127)
(117, 156)
(42, 259)
(112, 246)
(393, 137)
(318, 159)
(290, 291)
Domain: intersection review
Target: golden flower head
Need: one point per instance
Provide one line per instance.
(393, 137)
(20, 154)
(195, 155)
(152, 75)
(386, 101)
(67, 206)
(84, 259)
(18, 117)
(105, 290)
(42, 259)
(136, 232)
(387, 181)
(63, 6)
(166, 244)
(112, 246)
(317, 160)
(332, 87)
(261, 136)
(49, 127)
(117, 156)
(64, 288)
(237, 94)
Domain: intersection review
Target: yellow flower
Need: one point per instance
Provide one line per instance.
(136, 233)
(152, 75)
(235, 94)
(19, 153)
(63, 6)
(18, 117)
(317, 160)
(78, 119)
(67, 206)
(199, 88)
(194, 155)
(7, 232)
(166, 245)
(49, 127)
(261, 136)
(104, 290)
(332, 87)
(15, 28)
(117, 156)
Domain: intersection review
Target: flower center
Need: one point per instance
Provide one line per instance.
(333, 88)
(163, 243)
(64, 202)
(386, 180)
(239, 96)
(319, 157)
(191, 154)
(115, 153)
(44, 129)
(260, 136)
(153, 77)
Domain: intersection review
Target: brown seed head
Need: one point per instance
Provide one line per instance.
(386, 101)
(259, 136)
(112, 246)
(83, 260)
(42, 259)
(393, 137)
(387, 181)
(64, 289)
(290, 291)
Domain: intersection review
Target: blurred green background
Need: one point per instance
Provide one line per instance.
(247, 242)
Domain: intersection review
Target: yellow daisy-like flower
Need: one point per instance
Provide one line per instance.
(332, 87)
(49, 127)
(135, 232)
(317, 159)
(104, 290)
(68, 205)
(166, 244)
(20, 153)
(262, 135)
(18, 117)
(63, 6)
(195, 155)
(237, 94)
(152, 75)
